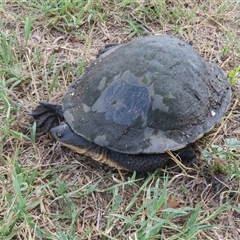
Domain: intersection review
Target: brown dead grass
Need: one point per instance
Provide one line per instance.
(207, 31)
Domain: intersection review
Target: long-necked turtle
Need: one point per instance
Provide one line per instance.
(138, 100)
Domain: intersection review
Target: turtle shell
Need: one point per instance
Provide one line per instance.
(147, 96)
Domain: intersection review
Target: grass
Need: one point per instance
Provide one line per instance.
(49, 192)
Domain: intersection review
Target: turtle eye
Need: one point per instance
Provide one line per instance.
(59, 134)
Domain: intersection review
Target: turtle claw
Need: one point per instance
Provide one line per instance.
(107, 48)
(47, 116)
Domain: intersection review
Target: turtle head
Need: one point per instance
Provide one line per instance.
(66, 136)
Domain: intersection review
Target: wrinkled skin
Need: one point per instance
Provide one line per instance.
(134, 162)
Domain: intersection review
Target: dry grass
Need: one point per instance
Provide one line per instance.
(49, 192)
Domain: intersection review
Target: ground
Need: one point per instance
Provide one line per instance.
(50, 192)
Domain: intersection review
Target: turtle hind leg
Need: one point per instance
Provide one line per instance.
(47, 116)
(186, 154)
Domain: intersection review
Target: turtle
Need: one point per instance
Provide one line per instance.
(137, 101)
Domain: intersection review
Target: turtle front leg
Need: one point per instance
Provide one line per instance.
(47, 116)
(108, 48)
